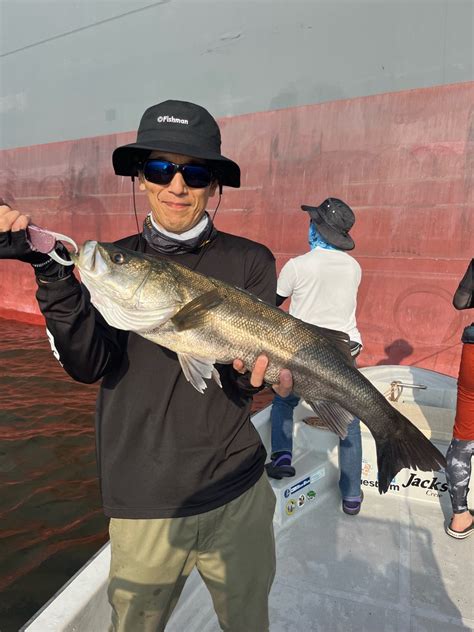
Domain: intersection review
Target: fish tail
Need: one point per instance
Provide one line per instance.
(407, 447)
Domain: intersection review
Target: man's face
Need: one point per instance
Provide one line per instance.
(176, 206)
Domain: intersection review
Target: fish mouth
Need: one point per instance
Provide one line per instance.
(93, 262)
(88, 261)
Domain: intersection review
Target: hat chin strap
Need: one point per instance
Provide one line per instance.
(218, 203)
(141, 241)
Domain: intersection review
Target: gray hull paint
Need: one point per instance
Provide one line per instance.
(77, 69)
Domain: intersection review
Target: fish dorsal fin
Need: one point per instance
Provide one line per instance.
(196, 369)
(195, 313)
(338, 339)
(333, 415)
(135, 320)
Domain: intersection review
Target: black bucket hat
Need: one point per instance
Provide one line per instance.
(177, 127)
(334, 219)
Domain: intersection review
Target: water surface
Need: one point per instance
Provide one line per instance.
(51, 519)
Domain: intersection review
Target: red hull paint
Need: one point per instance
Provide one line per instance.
(402, 160)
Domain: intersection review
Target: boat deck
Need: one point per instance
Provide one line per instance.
(392, 568)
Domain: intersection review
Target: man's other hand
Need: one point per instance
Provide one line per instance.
(11, 219)
(283, 388)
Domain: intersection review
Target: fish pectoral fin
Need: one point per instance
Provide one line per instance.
(216, 377)
(196, 369)
(137, 320)
(333, 415)
(195, 313)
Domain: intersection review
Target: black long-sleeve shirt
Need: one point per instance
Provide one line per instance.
(163, 449)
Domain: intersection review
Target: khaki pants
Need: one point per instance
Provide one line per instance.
(232, 547)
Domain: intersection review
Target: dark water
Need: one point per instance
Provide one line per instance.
(51, 520)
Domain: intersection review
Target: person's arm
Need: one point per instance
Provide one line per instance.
(84, 344)
(286, 282)
(464, 296)
(260, 275)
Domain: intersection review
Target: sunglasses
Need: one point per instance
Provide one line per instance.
(163, 171)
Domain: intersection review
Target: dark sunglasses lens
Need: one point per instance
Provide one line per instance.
(196, 176)
(162, 172)
(159, 171)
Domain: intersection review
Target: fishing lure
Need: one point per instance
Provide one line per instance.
(44, 240)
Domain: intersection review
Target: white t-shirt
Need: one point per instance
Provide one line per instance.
(323, 287)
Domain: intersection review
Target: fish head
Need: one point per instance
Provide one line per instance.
(109, 269)
(132, 291)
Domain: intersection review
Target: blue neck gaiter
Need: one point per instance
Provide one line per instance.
(315, 239)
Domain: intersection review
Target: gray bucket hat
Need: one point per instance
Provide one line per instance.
(334, 219)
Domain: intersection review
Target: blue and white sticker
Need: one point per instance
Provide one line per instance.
(300, 484)
(304, 482)
(321, 473)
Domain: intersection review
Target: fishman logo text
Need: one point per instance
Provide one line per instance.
(172, 119)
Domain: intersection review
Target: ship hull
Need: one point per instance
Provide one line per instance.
(402, 160)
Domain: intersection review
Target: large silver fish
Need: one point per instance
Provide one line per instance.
(206, 321)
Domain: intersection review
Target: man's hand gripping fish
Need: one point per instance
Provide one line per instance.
(207, 322)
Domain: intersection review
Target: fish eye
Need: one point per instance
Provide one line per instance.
(118, 257)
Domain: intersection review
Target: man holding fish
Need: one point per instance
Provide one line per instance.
(181, 472)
